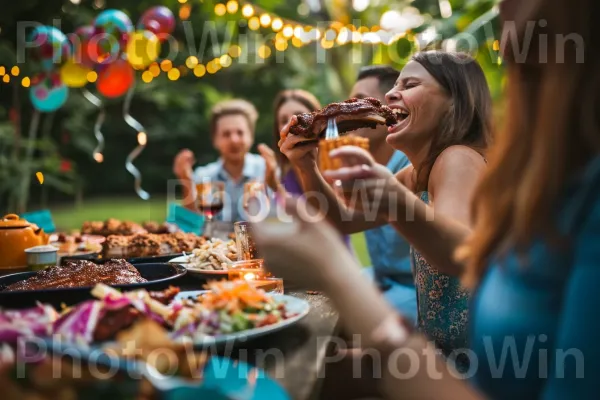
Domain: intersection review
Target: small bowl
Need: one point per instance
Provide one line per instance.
(40, 257)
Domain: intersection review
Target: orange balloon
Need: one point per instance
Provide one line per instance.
(115, 79)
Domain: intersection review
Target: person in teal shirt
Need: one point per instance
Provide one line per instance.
(530, 256)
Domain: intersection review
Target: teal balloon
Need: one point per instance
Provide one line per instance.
(49, 46)
(48, 99)
(116, 26)
(112, 21)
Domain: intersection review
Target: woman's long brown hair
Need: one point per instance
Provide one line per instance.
(303, 97)
(551, 129)
(468, 121)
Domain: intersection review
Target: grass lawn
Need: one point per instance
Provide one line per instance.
(68, 218)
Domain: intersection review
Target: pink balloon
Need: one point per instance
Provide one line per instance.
(158, 20)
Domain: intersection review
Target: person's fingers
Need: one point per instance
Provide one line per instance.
(286, 128)
(292, 142)
(266, 151)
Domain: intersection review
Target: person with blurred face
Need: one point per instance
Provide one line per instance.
(232, 125)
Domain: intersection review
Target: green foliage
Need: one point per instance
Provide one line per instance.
(175, 113)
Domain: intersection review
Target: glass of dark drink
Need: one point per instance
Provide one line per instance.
(210, 196)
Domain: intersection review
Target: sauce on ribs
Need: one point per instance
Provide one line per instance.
(80, 273)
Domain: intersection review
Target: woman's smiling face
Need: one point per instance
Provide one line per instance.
(422, 102)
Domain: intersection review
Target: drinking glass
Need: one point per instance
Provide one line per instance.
(256, 200)
(210, 195)
(254, 271)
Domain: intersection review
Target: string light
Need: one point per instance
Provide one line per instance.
(147, 76)
(326, 44)
(15, 71)
(6, 79)
(154, 70)
(199, 70)
(264, 51)
(92, 76)
(265, 20)
(288, 31)
(142, 138)
(299, 32)
(191, 62)
(185, 11)
(235, 51)
(254, 24)
(496, 45)
(226, 61)
(98, 157)
(182, 1)
(330, 35)
(277, 24)
(281, 45)
(26, 82)
(232, 6)
(297, 42)
(211, 68)
(174, 74)
(220, 9)
(247, 11)
(2, 71)
(166, 65)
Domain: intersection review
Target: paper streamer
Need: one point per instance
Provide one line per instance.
(142, 138)
(97, 154)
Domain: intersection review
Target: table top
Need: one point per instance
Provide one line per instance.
(293, 356)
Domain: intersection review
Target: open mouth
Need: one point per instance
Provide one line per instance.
(402, 116)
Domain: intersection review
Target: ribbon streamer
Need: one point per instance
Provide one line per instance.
(141, 138)
(97, 154)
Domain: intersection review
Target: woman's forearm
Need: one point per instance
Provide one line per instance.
(415, 371)
(434, 235)
(189, 200)
(321, 196)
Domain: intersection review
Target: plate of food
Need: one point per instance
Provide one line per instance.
(71, 282)
(77, 246)
(212, 258)
(229, 311)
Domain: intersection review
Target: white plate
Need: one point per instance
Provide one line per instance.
(184, 261)
(293, 305)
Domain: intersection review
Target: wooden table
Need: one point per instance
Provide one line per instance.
(293, 356)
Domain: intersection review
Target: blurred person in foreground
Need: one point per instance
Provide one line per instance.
(444, 130)
(232, 125)
(531, 256)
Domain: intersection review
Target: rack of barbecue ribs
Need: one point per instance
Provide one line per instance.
(111, 227)
(148, 244)
(349, 115)
(325, 146)
(80, 273)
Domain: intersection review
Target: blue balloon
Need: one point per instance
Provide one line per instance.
(113, 21)
(47, 98)
(51, 46)
(114, 26)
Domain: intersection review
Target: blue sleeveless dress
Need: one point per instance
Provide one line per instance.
(443, 306)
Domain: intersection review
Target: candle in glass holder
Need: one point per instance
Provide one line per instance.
(253, 271)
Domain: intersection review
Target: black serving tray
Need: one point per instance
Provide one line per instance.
(98, 259)
(159, 276)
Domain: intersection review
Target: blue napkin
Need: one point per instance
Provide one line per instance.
(188, 221)
(42, 218)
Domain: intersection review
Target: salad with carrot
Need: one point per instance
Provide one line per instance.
(229, 307)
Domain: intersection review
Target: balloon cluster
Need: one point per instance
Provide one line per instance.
(110, 49)
(106, 52)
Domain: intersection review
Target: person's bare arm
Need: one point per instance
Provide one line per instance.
(319, 192)
(437, 229)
